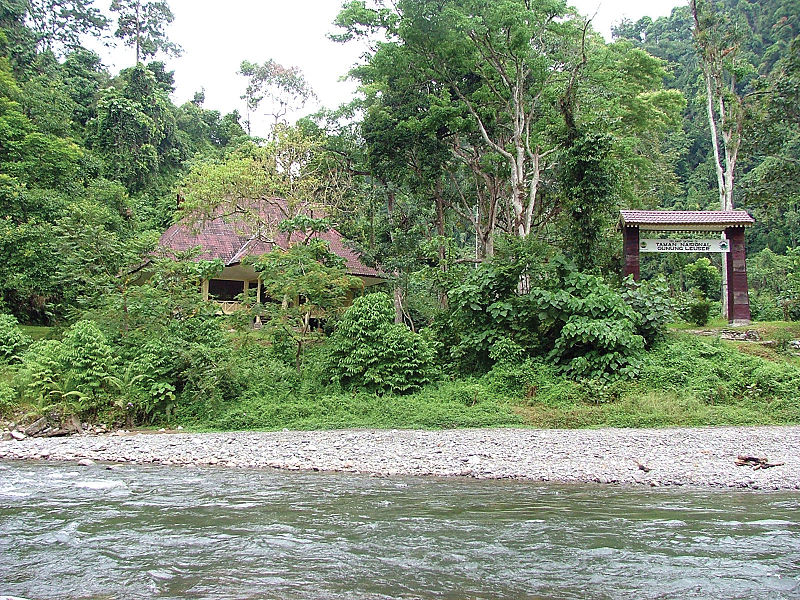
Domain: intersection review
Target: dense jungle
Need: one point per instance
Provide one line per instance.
(480, 169)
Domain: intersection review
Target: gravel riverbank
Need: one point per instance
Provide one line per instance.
(654, 457)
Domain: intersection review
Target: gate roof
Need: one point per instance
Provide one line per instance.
(685, 220)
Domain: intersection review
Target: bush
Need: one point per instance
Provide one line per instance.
(88, 358)
(698, 311)
(652, 302)
(42, 366)
(369, 350)
(530, 301)
(8, 398)
(704, 276)
(597, 338)
(12, 340)
(718, 374)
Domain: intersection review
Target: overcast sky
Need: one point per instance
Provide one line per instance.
(216, 36)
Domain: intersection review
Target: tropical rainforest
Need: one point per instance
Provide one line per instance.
(480, 167)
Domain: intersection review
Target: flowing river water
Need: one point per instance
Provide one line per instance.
(133, 532)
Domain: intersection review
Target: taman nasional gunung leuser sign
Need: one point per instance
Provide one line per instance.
(714, 245)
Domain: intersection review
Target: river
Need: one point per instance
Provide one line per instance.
(69, 532)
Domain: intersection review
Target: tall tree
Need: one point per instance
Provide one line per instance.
(499, 66)
(141, 25)
(60, 24)
(718, 46)
(294, 166)
(722, 72)
(284, 88)
(134, 130)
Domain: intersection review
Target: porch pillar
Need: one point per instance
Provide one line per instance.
(204, 290)
(257, 323)
(630, 250)
(736, 266)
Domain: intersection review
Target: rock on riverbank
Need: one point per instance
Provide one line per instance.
(654, 457)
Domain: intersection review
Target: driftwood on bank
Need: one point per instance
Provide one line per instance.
(755, 462)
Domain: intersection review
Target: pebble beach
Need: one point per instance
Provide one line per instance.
(650, 457)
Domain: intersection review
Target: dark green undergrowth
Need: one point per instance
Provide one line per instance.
(238, 382)
(684, 381)
(447, 405)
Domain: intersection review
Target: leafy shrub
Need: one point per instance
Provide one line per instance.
(597, 347)
(698, 311)
(652, 302)
(505, 350)
(8, 398)
(12, 340)
(765, 306)
(368, 350)
(718, 374)
(704, 276)
(42, 366)
(88, 358)
(537, 300)
(597, 336)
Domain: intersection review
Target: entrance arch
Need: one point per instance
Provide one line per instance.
(730, 223)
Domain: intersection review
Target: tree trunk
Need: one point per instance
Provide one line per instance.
(138, 33)
(398, 303)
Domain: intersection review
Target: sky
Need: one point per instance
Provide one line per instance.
(216, 36)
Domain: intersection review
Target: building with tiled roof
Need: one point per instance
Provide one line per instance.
(232, 238)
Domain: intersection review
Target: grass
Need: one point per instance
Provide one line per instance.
(464, 403)
(687, 380)
(713, 324)
(39, 332)
(653, 409)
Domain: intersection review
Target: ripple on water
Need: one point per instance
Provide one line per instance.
(157, 532)
(99, 484)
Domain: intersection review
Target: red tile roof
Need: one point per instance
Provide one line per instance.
(721, 218)
(230, 239)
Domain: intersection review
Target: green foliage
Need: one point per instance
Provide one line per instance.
(303, 282)
(12, 340)
(8, 398)
(445, 405)
(652, 302)
(140, 25)
(62, 23)
(89, 359)
(590, 185)
(576, 320)
(720, 374)
(597, 347)
(698, 310)
(705, 277)
(134, 130)
(369, 351)
(41, 364)
(506, 351)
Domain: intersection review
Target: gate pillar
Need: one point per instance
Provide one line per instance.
(736, 265)
(630, 249)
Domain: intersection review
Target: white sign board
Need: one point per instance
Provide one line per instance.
(716, 245)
